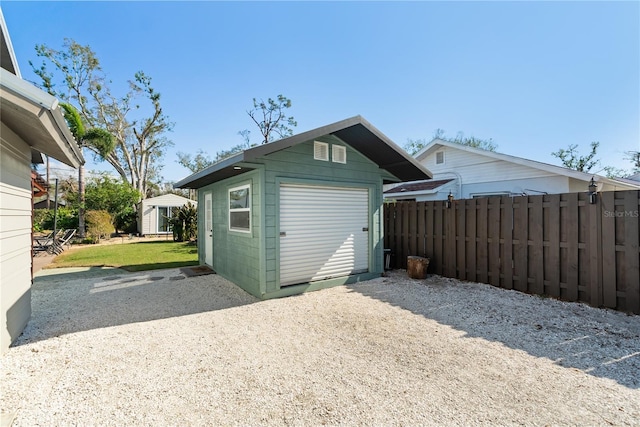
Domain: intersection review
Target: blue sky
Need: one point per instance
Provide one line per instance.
(532, 76)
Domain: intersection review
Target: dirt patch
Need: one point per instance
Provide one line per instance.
(390, 351)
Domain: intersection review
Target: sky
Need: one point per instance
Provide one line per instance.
(531, 76)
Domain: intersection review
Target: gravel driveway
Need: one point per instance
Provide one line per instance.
(157, 348)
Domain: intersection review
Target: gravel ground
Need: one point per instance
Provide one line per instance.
(112, 348)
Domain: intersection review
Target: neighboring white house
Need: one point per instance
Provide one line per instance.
(154, 213)
(31, 123)
(468, 172)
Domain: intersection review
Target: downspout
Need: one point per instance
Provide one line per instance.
(459, 177)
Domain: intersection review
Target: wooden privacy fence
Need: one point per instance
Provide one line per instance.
(557, 245)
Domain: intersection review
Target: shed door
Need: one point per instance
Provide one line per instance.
(323, 232)
(208, 229)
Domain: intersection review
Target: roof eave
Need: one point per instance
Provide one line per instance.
(352, 131)
(207, 175)
(36, 117)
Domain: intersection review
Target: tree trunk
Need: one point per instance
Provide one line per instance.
(81, 202)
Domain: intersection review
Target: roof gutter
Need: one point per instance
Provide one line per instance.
(50, 105)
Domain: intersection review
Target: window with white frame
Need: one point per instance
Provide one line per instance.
(439, 157)
(240, 208)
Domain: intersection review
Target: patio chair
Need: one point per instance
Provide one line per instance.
(45, 243)
(59, 243)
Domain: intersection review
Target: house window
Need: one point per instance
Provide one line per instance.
(321, 151)
(240, 208)
(439, 157)
(164, 216)
(338, 153)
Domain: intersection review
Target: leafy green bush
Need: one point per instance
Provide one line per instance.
(110, 194)
(43, 219)
(99, 225)
(184, 223)
(126, 221)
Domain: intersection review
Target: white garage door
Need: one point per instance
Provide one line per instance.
(323, 232)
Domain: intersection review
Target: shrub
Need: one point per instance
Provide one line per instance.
(99, 225)
(66, 218)
(184, 223)
(127, 221)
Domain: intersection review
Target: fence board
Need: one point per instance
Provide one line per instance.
(412, 243)
(521, 243)
(595, 255)
(631, 253)
(572, 248)
(552, 262)
(422, 231)
(430, 226)
(469, 217)
(482, 264)
(495, 263)
(506, 214)
(461, 237)
(438, 244)
(609, 281)
(536, 250)
(560, 245)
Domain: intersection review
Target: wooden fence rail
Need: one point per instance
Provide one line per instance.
(557, 245)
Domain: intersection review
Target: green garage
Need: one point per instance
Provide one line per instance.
(301, 213)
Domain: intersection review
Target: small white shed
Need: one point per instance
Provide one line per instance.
(154, 213)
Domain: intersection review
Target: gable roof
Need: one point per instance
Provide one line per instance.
(421, 186)
(168, 198)
(8, 59)
(355, 131)
(435, 145)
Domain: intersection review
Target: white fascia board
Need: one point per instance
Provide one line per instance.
(51, 118)
(12, 53)
(411, 193)
(27, 91)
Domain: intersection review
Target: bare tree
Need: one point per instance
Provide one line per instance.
(77, 78)
(271, 119)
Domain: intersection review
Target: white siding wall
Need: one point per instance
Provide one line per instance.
(148, 216)
(533, 186)
(15, 236)
(476, 168)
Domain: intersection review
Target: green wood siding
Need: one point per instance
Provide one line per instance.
(251, 260)
(236, 255)
(297, 165)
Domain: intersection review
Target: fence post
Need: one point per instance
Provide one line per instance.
(595, 253)
(450, 239)
(631, 242)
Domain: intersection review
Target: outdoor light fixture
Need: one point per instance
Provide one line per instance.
(593, 190)
(237, 168)
(449, 200)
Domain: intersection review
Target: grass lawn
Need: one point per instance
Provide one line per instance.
(138, 256)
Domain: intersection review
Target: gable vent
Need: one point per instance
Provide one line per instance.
(321, 151)
(339, 153)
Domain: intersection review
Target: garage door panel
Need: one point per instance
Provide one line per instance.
(324, 232)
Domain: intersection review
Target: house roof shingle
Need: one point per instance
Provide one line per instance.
(417, 186)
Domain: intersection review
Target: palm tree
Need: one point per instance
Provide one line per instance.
(98, 140)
